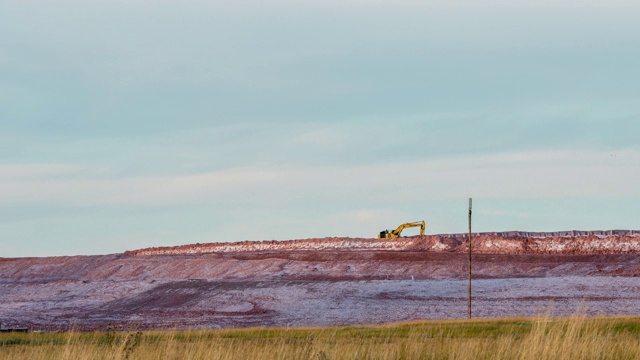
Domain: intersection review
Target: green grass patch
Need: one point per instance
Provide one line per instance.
(539, 339)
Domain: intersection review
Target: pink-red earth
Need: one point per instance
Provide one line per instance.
(328, 281)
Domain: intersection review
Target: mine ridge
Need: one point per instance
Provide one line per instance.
(324, 281)
(509, 242)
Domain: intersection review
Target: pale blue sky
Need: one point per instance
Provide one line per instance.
(127, 124)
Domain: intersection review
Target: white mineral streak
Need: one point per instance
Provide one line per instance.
(483, 243)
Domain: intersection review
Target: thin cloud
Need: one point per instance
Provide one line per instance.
(513, 175)
(18, 172)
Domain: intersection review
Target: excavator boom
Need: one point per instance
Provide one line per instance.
(396, 233)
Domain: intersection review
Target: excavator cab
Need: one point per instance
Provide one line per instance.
(385, 234)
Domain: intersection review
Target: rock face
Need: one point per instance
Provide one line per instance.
(488, 243)
(321, 282)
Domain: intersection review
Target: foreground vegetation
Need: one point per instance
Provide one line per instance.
(570, 338)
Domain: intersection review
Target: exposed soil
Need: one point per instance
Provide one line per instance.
(619, 241)
(340, 282)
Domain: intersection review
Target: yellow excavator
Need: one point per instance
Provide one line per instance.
(396, 233)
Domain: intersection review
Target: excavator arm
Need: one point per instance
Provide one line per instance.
(396, 233)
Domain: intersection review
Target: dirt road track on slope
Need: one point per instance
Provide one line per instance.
(308, 265)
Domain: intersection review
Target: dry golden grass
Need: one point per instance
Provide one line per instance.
(539, 339)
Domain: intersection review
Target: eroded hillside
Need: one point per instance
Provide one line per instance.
(322, 282)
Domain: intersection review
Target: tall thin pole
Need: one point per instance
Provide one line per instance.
(469, 298)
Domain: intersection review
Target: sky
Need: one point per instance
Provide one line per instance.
(130, 124)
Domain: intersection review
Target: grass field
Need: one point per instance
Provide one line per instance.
(542, 338)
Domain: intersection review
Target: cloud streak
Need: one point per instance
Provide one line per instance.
(512, 175)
